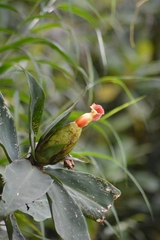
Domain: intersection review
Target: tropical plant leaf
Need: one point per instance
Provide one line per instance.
(13, 230)
(109, 158)
(24, 183)
(57, 123)
(39, 209)
(68, 218)
(8, 135)
(94, 195)
(36, 106)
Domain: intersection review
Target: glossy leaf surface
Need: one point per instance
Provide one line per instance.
(8, 135)
(24, 183)
(68, 218)
(35, 107)
(94, 195)
(39, 209)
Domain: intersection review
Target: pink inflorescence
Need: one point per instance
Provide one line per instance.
(96, 112)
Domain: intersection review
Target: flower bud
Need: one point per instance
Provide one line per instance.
(59, 145)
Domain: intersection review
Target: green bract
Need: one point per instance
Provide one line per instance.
(59, 145)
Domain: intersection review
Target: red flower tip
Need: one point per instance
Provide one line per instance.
(96, 112)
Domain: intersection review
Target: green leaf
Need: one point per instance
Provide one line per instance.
(39, 209)
(8, 7)
(13, 230)
(109, 158)
(36, 106)
(8, 135)
(79, 12)
(57, 123)
(5, 67)
(31, 226)
(121, 107)
(68, 218)
(6, 30)
(24, 183)
(94, 195)
(46, 26)
(33, 40)
(90, 208)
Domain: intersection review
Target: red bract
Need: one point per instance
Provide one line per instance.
(96, 112)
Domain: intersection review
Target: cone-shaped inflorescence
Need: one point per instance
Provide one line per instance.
(61, 143)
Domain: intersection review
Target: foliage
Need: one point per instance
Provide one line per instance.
(83, 52)
(25, 183)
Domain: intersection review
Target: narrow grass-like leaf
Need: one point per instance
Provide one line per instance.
(6, 30)
(8, 135)
(101, 47)
(121, 107)
(8, 7)
(55, 66)
(68, 218)
(103, 133)
(13, 230)
(114, 80)
(21, 217)
(90, 77)
(5, 67)
(46, 26)
(24, 183)
(79, 12)
(40, 16)
(107, 124)
(32, 40)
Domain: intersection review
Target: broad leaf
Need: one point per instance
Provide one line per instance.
(39, 209)
(36, 106)
(68, 218)
(8, 135)
(24, 183)
(94, 195)
(13, 230)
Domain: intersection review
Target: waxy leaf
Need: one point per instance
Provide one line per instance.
(24, 183)
(94, 195)
(36, 106)
(8, 135)
(39, 209)
(68, 218)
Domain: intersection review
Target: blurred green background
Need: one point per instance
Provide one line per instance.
(112, 48)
